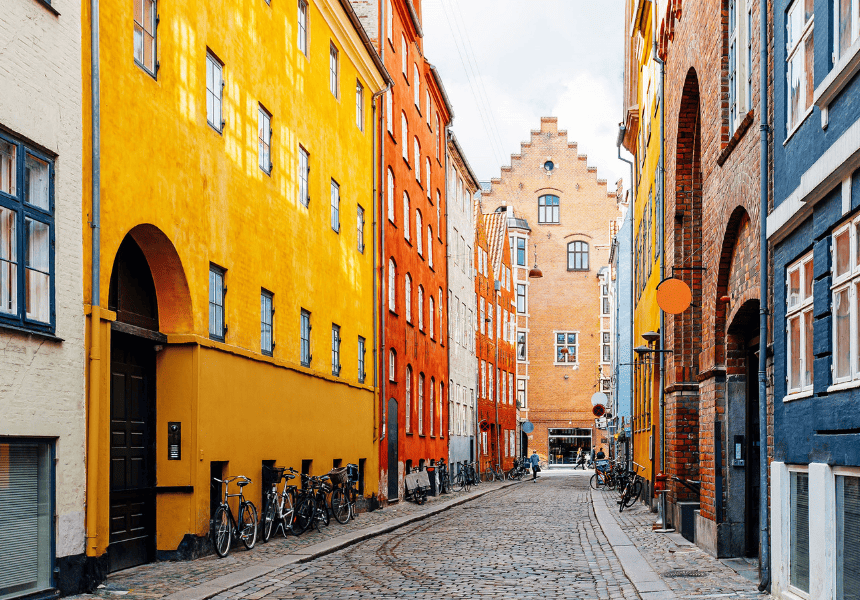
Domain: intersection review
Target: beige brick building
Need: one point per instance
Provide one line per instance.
(559, 209)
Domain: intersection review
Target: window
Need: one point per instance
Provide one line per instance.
(441, 311)
(734, 57)
(432, 404)
(427, 177)
(605, 347)
(335, 350)
(417, 161)
(359, 105)
(392, 285)
(482, 323)
(389, 19)
(404, 57)
(305, 338)
(416, 87)
(408, 406)
(799, 325)
(421, 404)
(521, 345)
(430, 246)
(490, 371)
(566, 347)
(511, 388)
(548, 209)
(521, 393)
(439, 214)
(483, 378)
(408, 297)
(214, 91)
(521, 252)
(30, 205)
(441, 395)
(438, 139)
(431, 316)
(335, 205)
(847, 25)
(749, 60)
(845, 294)
(303, 27)
(334, 70)
(847, 534)
(360, 225)
(390, 195)
(800, 60)
(577, 256)
(361, 374)
(521, 298)
(264, 139)
(304, 177)
(427, 106)
(217, 291)
(799, 534)
(267, 319)
(406, 217)
(392, 365)
(145, 36)
(421, 308)
(419, 233)
(389, 112)
(404, 136)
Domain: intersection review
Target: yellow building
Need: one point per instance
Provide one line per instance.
(642, 139)
(234, 310)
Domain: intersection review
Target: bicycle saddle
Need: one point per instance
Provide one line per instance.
(243, 482)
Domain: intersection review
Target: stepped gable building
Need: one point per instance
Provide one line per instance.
(559, 210)
(413, 242)
(462, 364)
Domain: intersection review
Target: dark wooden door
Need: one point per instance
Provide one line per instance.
(393, 468)
(132, 452)
(752, 485)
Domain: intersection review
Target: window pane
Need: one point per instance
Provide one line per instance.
(808, 375)
(8, 262)
(847, 529)
(38, 270)
(794, 352)
(571, 338)
(843, 253)
(36, 186)
(808, 277)
(799, 566)
(842, 330)
(794, 288)
(559, 338)
(845, 20)
(809, 71)
(8, 171)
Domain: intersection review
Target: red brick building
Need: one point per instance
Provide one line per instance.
(494, 341)
(411, 230)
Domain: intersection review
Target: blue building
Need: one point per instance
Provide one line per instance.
(814, 231)
(621, 263)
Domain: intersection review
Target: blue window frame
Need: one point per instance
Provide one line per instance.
(26, 237)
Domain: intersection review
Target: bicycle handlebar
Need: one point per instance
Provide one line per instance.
(231, 479)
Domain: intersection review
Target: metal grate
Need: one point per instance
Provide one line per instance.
(682, 573)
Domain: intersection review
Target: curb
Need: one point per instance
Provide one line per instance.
(309, 553)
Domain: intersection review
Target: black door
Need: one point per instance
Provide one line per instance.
(751, 452)
(393, 469)
(132, 452)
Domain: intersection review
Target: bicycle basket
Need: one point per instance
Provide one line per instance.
(272, 474)
(338, 476)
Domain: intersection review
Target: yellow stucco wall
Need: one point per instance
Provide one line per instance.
(163, 167)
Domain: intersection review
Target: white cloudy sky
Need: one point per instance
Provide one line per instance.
(506, 63)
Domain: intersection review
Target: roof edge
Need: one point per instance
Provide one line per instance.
(445, 98)
(462, 154)
(368, 45)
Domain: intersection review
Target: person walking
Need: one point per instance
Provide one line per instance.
(535, 460)
(601, 455)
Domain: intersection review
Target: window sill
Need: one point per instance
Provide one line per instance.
(408, 166)
(736, 137)
(33, 332)
(48, 7)
(798, 396)
(539, 223)
(576, 366)
(845, 385)
(841, 74)
(393, 312)
(798, 125)
(391, 135)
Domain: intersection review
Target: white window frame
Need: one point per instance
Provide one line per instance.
(389, 21)
(431, 317)
(407, 296)
(404, 136)
(793, 121)
(430, 246)
(264, 139)
(416, 87)
(359, 105)
(420, 308)
(145, 33)
(417, 157)
(556, 346)
(392, 285)
(334, 70)
(408, 406)
(429, 106)
(335, 206)
(214, 92)
(389, 112)
(803, 307)
(848, 281)
(303, 17)
(304, 177)
(739, 70)
(392, 365)
(390, 191)
(406, 215)
(854, 23)
(404, 59)
(359, 221)
(427, 177)
(419, 232)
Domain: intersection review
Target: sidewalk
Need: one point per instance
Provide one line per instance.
(665, 566)
(210, 575)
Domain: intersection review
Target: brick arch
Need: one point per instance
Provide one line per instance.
(736, 258)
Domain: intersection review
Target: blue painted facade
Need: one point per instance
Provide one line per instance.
(622, 351)
(815, 432)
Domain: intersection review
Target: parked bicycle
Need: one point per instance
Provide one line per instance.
(444, 477)
(494, 473)
(311, 503)
(225, 528)
(603, 476)
(344, 492)
(414, 490)
(462, 480)
(632, 489)
(518, 471)
(280, 512)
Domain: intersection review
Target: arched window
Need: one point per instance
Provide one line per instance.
(577, 256)
(427, 177)
(404, 136)
(389, 111)
(392, 285)
(390, 195)
(408, 398)
(431, 317)
(421, 403)
(430, 245)
(421, 308)
(392, 365)
(419, 232)
(417, 161)
(441, 395)
(548, 209)
(407, 298)
(416, 85)
(432, 403)
(406, 217)
(441, 312)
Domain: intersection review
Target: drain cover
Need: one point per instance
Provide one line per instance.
(684, 574)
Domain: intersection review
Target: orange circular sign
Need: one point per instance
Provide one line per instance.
(674, 296)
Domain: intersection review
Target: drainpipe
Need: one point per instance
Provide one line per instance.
(383, 129)
(95, 314)
(373, 208)
(763, 274)
(621, 131)
(497, 286)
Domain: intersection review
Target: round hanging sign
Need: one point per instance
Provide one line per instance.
(599, 398)
(598, 410)
(674, 296)
(528, 427)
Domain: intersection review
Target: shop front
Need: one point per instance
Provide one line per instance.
(564, 444)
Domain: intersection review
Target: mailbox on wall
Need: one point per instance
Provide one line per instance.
(174, 440)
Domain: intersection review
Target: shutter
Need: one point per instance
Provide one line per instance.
(19, 519)
(848, 532)
(799, 550)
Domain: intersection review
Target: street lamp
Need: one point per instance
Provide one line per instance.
(535, 273)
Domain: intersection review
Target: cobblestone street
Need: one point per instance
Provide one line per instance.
(551, 539)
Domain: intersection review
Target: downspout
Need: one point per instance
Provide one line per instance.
(383, 128)
(763, 274)
(374, 208)
(497, 286)
(448, 312)
(95, 315)
(621, 132)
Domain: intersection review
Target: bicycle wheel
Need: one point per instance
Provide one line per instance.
(269, 516)
(288, 512)
(304, 515)
(340, 506)
(597, 482)
(635, 492)
(221, 531)
(320, 511)
(248, 524)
